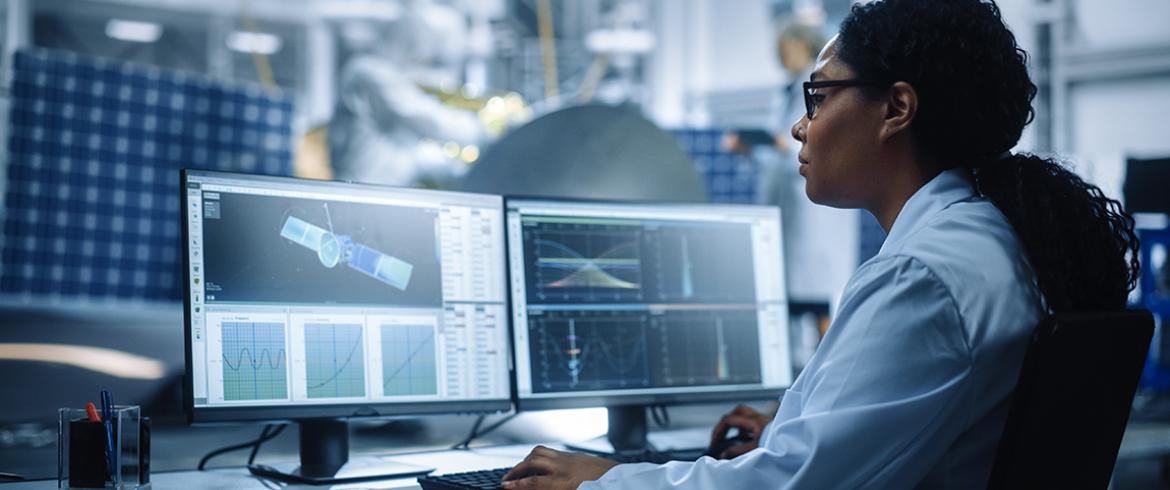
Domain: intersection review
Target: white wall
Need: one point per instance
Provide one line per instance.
(705, 48)
(1112, 120)
(1121, 23)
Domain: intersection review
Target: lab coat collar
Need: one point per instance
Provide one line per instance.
(945, 189)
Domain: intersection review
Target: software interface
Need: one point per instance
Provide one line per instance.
(646, 299)
(324, 293)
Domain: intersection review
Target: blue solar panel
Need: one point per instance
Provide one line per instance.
(95, 148)
(729, 177)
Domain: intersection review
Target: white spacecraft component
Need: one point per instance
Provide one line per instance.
(333, 249)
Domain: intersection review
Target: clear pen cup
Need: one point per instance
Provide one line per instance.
(83, 460)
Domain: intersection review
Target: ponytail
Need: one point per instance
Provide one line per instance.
(1081, 244)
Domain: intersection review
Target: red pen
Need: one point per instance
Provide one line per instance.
(91, 410)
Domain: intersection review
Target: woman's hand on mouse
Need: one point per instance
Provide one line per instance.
(748, 421)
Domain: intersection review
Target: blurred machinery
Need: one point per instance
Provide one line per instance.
(589, 151)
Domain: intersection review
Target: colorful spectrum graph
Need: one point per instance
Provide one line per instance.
(588, 263)
(254, 365)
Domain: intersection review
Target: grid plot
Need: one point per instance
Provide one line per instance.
(729, 177)
(408, 360)
(586, 262)
(334, 360)
(254, 365)
(95, 147)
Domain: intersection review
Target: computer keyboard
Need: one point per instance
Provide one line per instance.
(490, 479)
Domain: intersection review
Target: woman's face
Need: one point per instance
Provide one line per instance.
(838, 155)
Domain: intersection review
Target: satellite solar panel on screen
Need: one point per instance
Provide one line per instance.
(729, 177)
(91, 209)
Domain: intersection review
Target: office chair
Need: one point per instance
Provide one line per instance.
(1072, 401)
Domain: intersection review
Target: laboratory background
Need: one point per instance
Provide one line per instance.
(113, 113)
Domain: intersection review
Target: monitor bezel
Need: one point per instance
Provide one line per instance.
(230, 414)
(568, 400)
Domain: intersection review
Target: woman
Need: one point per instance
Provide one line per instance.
(911, 113)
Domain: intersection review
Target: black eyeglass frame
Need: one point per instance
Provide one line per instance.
(810, 111)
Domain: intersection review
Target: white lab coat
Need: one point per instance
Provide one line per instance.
(910, 386)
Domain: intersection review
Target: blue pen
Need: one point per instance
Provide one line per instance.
(107, 416)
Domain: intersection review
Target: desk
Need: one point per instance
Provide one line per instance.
(447, 461)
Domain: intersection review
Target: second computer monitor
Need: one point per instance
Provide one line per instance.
(630, 303)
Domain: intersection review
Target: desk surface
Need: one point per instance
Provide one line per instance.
(447, 461)
(444, 461)
(1141, 441)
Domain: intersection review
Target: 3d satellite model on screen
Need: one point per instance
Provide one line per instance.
(333, 249)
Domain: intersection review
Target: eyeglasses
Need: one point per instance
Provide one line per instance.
(813, 101)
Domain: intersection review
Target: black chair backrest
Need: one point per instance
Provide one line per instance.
(1072, 401)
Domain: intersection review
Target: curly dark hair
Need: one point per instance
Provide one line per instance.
(975, 97)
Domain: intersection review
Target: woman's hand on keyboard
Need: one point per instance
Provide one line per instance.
(546, 468)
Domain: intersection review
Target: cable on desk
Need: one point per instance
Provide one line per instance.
(10, 477)
(660, 415)
(270, 431)
(476, 433)
(470, 435)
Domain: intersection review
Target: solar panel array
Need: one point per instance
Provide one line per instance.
(729, 177)
(95, 148)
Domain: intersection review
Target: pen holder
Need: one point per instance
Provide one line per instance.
(84, 458)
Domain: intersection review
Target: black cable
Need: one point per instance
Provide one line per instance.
(10, 477)
(475, 435)
(497, 425)
(265, 435)
(470, 435)
(275, 432)
(660, 415)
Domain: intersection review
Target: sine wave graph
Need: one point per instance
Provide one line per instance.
(409, 360)
(254, 364)
(334, 360)
(587, 264)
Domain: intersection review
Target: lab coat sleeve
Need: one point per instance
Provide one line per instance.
(877, 406)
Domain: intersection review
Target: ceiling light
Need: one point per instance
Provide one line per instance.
(133, 31)
(99, 359)
(253, 42)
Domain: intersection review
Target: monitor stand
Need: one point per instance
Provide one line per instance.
(627, 433)
(325, 459)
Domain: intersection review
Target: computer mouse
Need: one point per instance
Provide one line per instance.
(739, 438)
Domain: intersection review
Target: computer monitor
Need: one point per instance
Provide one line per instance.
(320, 301)
(632, 304)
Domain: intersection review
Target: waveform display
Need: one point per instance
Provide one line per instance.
(590, 350)
(334, 360)
(661, 261)
(586, 262)
(702, 264)
(254, 364)
(409, 360)
(708, 348)
(594, 353)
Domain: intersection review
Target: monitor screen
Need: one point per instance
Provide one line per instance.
(616, 304)
(314, 299)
